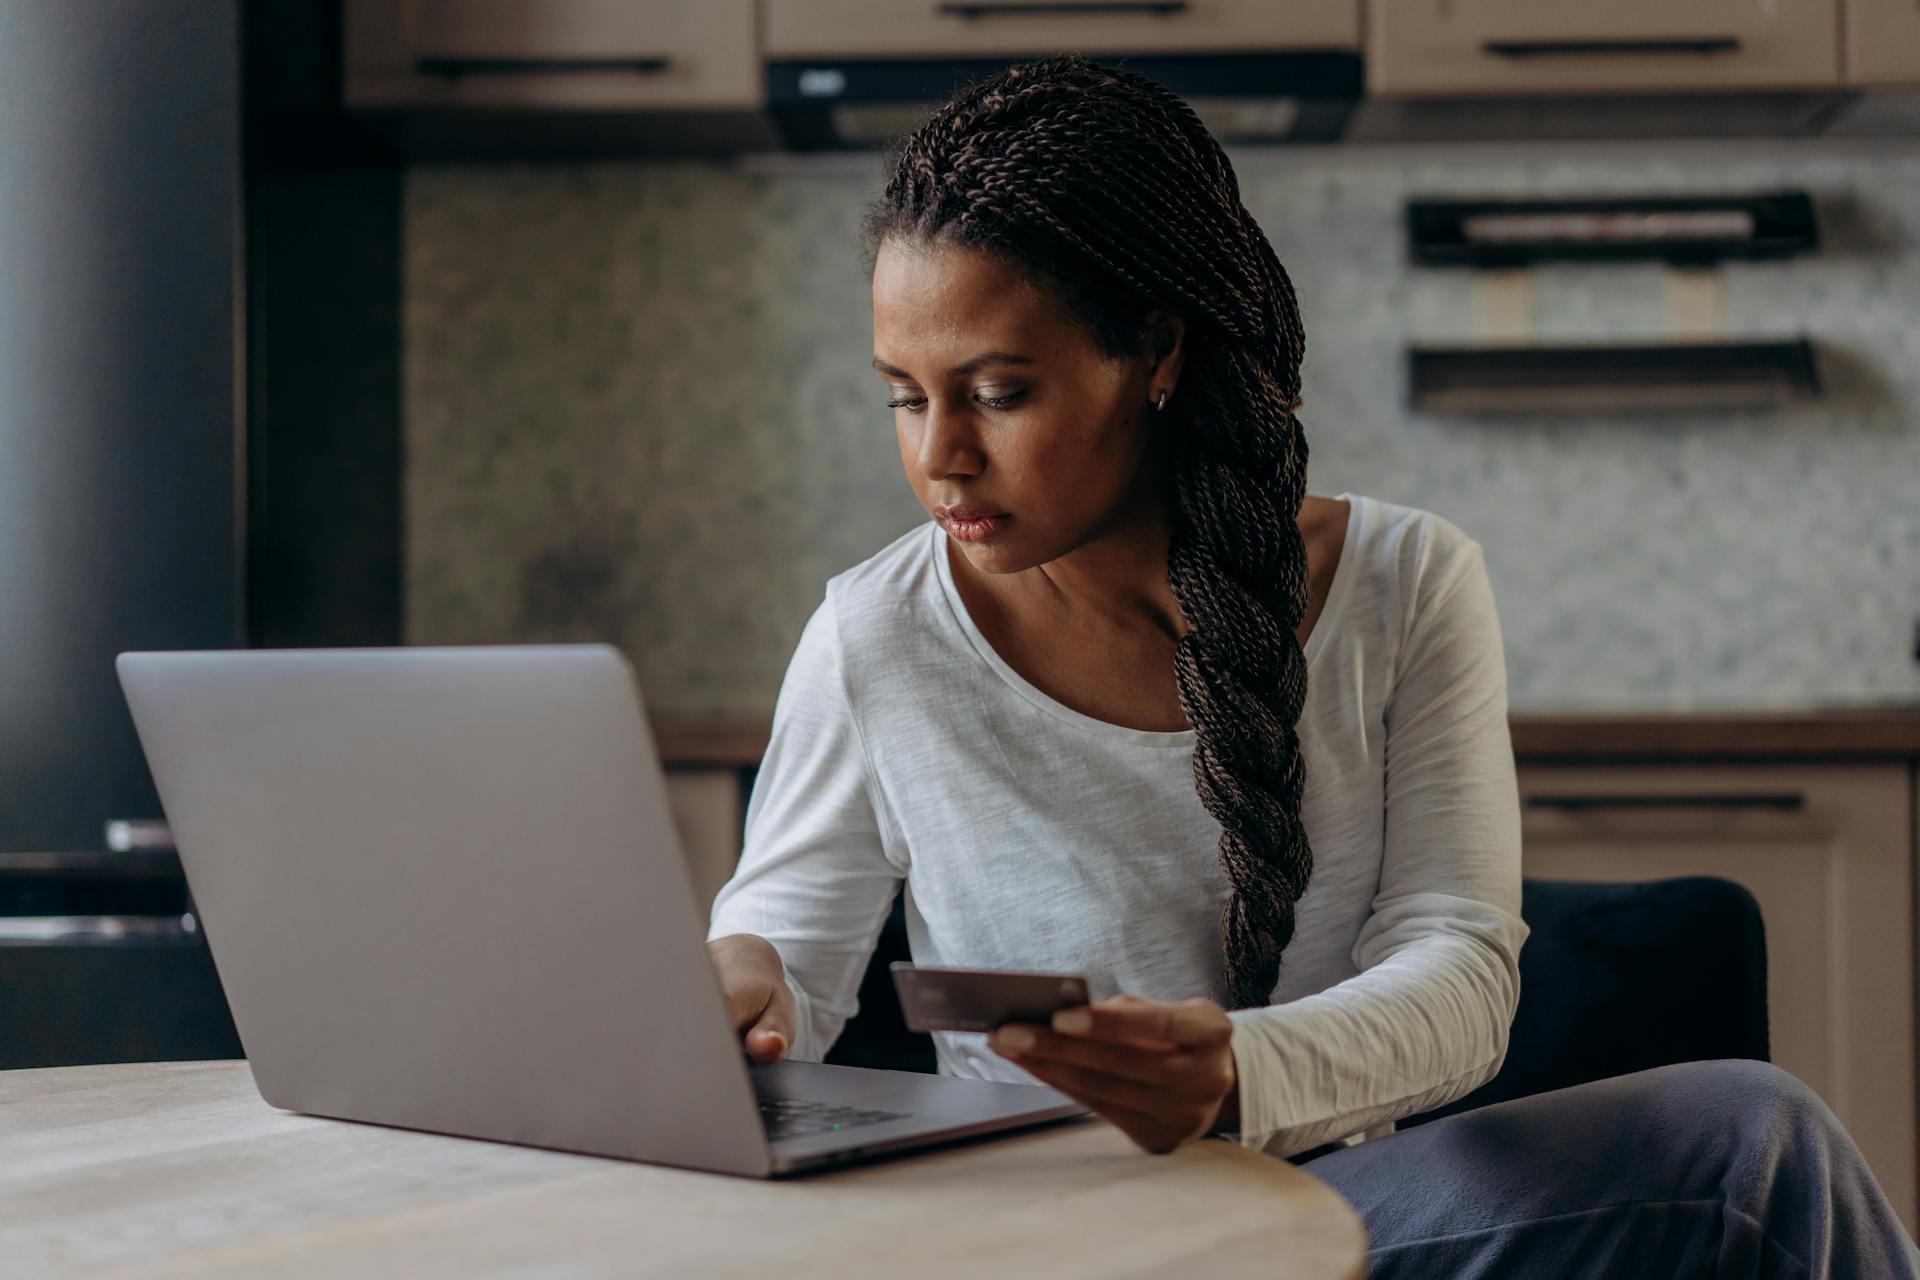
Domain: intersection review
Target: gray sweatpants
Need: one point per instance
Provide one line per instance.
(1730, 1168)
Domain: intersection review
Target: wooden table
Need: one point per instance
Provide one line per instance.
(179, 1169)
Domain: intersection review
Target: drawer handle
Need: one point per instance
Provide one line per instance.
(18, 929)
(1783, 800)
(454, 68)
(1055, 8)
(1589, 48)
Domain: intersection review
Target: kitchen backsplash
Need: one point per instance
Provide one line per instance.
(639, 409)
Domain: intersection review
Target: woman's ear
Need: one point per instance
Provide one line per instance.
(1166, 342)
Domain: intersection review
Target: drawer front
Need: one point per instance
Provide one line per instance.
(1825, 851)
(569, 54)
(1016, 28)
(709, 814)
(1574, 46)
(1883, 41)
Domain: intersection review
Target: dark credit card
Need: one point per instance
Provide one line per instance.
(981, 999)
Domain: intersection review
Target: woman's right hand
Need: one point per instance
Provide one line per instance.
(758, 1000)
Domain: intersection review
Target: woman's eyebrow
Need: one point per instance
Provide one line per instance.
(963, 368)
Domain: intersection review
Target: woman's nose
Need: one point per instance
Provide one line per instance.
(948, 443)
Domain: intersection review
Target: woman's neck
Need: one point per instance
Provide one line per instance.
(1115, 580)
(1118, 577)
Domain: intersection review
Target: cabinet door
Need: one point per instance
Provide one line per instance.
(1576, 46)
(1883, 41)
(1826, 851)
(572, 54)
(708, 813)
(1013, 28)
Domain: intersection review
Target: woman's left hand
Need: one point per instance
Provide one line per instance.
(1162, 1073)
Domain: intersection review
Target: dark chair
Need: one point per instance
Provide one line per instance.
(877, 1036)
(1616, 978)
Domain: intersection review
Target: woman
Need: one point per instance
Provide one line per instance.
(1136, 706)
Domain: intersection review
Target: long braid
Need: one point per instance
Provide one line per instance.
(1108, 187)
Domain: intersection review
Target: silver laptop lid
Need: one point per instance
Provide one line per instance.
(444, 892)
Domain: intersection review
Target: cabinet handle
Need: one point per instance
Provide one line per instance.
(1784, 800)
(1589, 48)
(98, 929)
(454, 68)
(1055, 8)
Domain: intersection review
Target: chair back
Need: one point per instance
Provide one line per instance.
(1616, 978)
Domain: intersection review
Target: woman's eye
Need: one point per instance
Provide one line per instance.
(992, 402)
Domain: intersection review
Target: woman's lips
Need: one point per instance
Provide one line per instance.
(971, 524)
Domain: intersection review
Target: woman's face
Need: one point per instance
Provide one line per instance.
(1018, 434)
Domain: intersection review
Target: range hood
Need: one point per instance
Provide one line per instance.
(853, 103)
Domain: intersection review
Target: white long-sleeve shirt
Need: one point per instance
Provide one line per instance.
(1032, 836)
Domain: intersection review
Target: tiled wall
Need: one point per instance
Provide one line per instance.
(639, 409)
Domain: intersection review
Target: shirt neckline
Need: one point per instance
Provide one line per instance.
(1316, 639)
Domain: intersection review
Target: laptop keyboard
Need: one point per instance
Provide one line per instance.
(797, 1117)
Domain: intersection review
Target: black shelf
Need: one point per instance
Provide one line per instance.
(1664, 377)
(1686, 231)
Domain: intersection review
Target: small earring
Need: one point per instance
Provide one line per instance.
(1161, 403)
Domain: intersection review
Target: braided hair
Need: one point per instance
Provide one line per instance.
(1106, 187)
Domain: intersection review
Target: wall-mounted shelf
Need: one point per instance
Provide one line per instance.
(1590, 378)
(1689, 230)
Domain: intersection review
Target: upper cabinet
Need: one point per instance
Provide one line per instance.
(1012, 28)
(582, 55)
(645, 77)
(1459, 47)
(1883, 42)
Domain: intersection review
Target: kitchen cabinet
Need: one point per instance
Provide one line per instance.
(1882, 39)
(1472, 47)
(578, 55)
(709, 808)
(1013, 28)
(1827, 850)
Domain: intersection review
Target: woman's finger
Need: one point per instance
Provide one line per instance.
(765, 1043)
(1126, 1095)
(1144, 1128)
(1178, 1070)
(768, 1033)
(1193, 1024)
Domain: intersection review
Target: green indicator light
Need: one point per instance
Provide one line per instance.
(836, 1127)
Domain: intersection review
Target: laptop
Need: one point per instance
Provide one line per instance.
(444, 892)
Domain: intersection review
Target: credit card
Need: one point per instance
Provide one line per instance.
(981, 999)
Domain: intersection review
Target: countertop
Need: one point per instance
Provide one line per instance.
(1883, 733)
(1817, 733)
